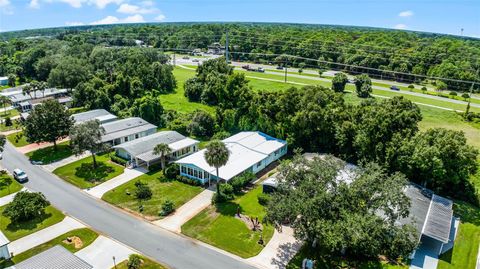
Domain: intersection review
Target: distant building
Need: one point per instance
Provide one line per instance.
(124, 130)
(4, 253)
(56, 257)
(101, 115)
(3, 81)
(140, 151)
(216, 49)
(18, 98)
(249, 151)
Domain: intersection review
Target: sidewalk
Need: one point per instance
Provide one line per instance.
(100, 253)
(52, 166)
(7, 199)
(187, 211)
(111, 184)
(279, 250)
(45, 235)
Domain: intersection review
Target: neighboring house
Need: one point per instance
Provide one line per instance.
(140, 151)
(124, 130)
(3, 81)
(4, 253)
(17, 98)
(216, 49)
(249, 151)
(101, 115)
(56, 257)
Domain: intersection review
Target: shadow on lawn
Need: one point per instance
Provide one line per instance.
(467, 212)
(5, 181)
(91, 174)
(28, 225)
(49, 155)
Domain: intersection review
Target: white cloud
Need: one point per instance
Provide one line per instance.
(101, 4)
(4, 3)
(74, 23)
(160, 17)
(113, 20)
(406, 13)
(400, 26)
(5, 7)
(133, 9)
(34, 4)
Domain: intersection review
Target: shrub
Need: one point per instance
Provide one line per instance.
(221, 135)
(172, 171)
(202, 124)
(143, 191)
(155, 167)
(188, 181)
(411, 86)
(263, 199)
(424, 89)
(452, 93)
(225, 194)
(118, 160)
(240, 181)
(465, 96)
(134, 261)
(8, 121)
(167, 208)
(26, 206)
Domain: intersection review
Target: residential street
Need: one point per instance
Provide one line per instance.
(173, 250)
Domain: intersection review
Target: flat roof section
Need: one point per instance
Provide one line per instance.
(125, 127)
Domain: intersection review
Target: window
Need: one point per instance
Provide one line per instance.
(206, 175)
(126, 139)
(259, 164)
(195, 173)
(184, 170)
(136, 136)
(190, 172)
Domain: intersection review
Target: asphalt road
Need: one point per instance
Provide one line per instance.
(168, 248)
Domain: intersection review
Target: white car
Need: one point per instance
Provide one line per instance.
(20, 176)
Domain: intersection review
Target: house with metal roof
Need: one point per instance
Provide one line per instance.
(4, 253)
(56, 257)
(140, 151)
(101, 115)
(124, 130)
(19, 97)
(249, 151)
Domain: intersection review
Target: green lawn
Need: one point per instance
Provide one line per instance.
(217, 225)
(177, 192)
(8, 185)
(146, 264)
(49, 155)
(82, 174)
(86, 235)
(14, 126)
(14, 231)
(465, 250)
(18, 139)
(9, 113)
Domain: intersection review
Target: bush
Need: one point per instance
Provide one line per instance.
(8, 121)
(452, 93)
(264, 198)
(226, 194)
(202, 124)
(172, 171)
(188, 181)
(26, 206)
(118, 160)
(143, 191)
(167, 208)
(411, 86)
(465, 96)
(221, 135)
(134, 261)
(155, 167)
(424, 88)
(240, 181)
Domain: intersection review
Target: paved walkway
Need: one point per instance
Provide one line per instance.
(10, 132)
(7, 199)
(45, 235)
(111, 184)
(52, 166)
(100, 253)
(478, 258)
(279, 250)
(187, 211)
(35, 146)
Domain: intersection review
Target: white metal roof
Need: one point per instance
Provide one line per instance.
(97, 114)
(56, 257)
(125, 127)
(3, 239)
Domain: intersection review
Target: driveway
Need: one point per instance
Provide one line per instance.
(186, 211)
(128, 174)
(52, 166)
(44, 235)
(100, 253)
(164, 246)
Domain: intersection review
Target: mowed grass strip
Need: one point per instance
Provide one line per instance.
(8, 185)
(218, 226)
(86, 236)
(14, 231)
(82, 174)
(177, 192)
(18, 139)
(49, 155)
(146, 264)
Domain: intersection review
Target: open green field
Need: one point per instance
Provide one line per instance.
(83, 175)
(177, 192)
(146, 264)
(49, 155)
(18, 139)
(218, 226)
(14, 231)
(8, 185)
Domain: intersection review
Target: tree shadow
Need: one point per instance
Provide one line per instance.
(227, 208)
(447, 256)
(91, 174)
(28, 225)
(5, 181)
(467, 212)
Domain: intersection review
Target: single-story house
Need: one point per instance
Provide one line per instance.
(249, 151)
(124, 130)
(101, 115)
(18, 97)
(140, 151)
(3, 81)
(4, 253)
(56, 257)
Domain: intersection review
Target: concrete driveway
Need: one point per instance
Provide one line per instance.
(128, 174)
(101, 252)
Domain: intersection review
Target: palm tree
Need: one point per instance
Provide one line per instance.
(217, 155)
(163, 150)
(4, 101)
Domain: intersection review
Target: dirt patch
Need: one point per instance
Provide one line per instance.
(252, 223)
(75, 241)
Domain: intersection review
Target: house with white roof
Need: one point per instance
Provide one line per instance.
(124, 130)
(249, 151)
(140, 151)
(101, 115)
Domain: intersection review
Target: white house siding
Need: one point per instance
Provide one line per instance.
(192, 171)
(4, 252)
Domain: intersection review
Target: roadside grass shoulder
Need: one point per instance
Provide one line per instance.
(146, 264)
(14, 231)
(18, 139)
(49, 155)
(8, 185)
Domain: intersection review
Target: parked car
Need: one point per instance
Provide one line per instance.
(279, 67)
(20, 176)
(195, 60)
(261, 70)
(185, 57)
(394, 88)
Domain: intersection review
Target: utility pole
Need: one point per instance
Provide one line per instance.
(174, 60)
(470, 99)
(285, 73)
(226, 45)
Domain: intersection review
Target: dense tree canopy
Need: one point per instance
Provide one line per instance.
(87, 136)
(26, 206)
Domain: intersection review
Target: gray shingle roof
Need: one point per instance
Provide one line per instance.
(125, 127)
(147, 143)
(92, 114)
(56, 257)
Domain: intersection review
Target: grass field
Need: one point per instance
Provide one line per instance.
(146, 264)
(8, 185)
(218, 226)
(49, 155)
(86, 235)
(9, 113)
(14, 231)
(177, 192)
(18, 139)
(82, 174)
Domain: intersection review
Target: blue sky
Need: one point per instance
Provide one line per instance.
(441, 16)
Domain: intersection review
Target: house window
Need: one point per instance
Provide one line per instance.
(259, 164)
(136, 136)
(195, 173)
(184, 170)
(126, 139)
(190, 171)
(206, 175)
